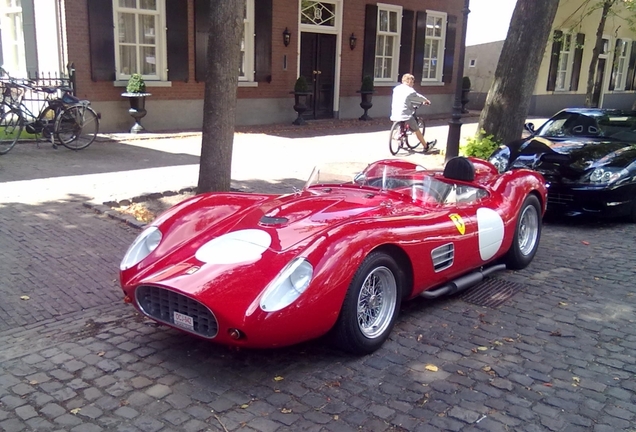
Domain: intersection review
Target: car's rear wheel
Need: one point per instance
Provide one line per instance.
(527, 234)
(371, 305)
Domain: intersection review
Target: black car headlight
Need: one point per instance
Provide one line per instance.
(606, 175)
(501, 158)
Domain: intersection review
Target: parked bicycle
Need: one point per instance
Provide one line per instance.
(59, 117)
(403, 137)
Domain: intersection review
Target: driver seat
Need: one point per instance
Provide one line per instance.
(459, 168)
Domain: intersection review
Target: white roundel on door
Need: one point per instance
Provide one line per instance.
(490, 229)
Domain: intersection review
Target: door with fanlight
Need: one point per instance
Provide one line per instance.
(318, 65)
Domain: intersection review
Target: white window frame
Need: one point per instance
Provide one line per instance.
(247, 44)
(622, 65)
(439, 67)
(566, 60)
(161, 56)
(472, 62)
(12, 13)
(395, 58)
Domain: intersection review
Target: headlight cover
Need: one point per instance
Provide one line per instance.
(143, 245)
(607, 175)
(287, 286)
(500, 159)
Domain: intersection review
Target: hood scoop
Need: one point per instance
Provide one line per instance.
(272, 220)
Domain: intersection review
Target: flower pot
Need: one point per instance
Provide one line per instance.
(300, 106)
(137, 109)
(366, 103)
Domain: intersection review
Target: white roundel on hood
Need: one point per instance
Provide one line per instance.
(490, 228)
(235, 247)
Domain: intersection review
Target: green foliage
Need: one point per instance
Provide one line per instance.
(466, 83)
(480, 146)
(367, 84)
(301, 85)
(136, 84)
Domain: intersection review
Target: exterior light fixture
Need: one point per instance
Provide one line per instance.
(286, 36)
(352, 41)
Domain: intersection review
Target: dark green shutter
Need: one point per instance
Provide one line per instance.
(557, 40)
(449, 49)
(576, 65)
(418, 51)
(370, 32)
(614, 76)
(201, 27)
(406, 43)
(263, 41)
(101, 38)
(629, 84)
(177, 35)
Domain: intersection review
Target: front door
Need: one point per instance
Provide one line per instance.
(598, 83)
(318, 65)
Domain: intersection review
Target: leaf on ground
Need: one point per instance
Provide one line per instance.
(101, 353)
(586, 243)
(245, 406)
(75, 410)
(576, 379)
(278, 378)
(509, 339)
(419, 338)
(462, 373)
(563, 304)
(432, 368)
(482, 348)
(497, 343)
(486, 368)
(286, 411)
(547, 384)
(25, 297)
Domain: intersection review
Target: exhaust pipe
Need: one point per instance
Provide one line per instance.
(463, 282)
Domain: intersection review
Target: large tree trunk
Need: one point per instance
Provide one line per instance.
(219, 104)
(508, 100)
(591, 74)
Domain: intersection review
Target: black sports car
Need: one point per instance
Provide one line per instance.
(588, 158)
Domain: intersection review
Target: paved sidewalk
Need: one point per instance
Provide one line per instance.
(559, 355)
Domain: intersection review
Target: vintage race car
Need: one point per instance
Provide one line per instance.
(338, 257)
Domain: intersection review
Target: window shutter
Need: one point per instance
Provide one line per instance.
(201, 27)
(406, 43)
(449, 49)
(557, 40)
(629, 83)
(101, 40)
(370, 32)
(418, 51)
(263, 41)
(612, 83)
(177, 35)
(576, 65)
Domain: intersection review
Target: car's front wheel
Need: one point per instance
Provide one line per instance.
(527, 234)
(371, 305)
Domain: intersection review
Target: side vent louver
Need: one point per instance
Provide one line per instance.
(443, 257)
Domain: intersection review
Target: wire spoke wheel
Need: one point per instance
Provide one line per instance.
(396, 137)
(376, 302)
(11, 125)
(528, 232)
(77, 126)
(411, 139)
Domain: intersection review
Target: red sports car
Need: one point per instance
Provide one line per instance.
(338, 257)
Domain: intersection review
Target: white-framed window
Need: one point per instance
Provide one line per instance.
(13, 49)
(472, 62)
(564, 68)
(434, 46)
(246, 66)
(622, 61)
(387, 43)
(140, 38)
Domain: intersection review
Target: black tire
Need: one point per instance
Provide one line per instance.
(395, 142)
(371, 305)
(527, 235)
(411, 140)
(632, 215)
(11, 125)
(77, 127)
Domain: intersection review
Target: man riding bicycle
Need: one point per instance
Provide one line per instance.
(404, 97)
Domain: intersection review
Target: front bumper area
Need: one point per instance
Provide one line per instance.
(589, 200)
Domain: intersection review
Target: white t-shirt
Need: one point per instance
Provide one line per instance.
(404, 97)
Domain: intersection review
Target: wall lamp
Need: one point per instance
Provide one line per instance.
(286, 36)
(352, 41)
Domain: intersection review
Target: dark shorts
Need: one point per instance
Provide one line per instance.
(412, 123)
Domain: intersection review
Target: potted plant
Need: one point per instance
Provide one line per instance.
(136, 94)
(366, 93)
(465, 90)
(301, 91)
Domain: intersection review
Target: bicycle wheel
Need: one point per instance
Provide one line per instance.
(77, 126)
(411, 139)
(396, 137)
(11, 125)
(47, 120)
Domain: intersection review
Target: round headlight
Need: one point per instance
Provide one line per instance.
(301, 276)
(143, 246)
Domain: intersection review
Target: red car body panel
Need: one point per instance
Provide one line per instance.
(334, 229)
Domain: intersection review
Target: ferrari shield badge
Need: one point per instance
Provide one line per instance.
(459, 223)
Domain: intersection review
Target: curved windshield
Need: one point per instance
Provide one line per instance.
(616, 125)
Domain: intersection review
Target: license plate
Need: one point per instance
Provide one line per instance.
(182, 320)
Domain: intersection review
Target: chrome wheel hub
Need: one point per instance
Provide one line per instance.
(376, 302)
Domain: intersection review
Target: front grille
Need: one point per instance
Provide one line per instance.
(161, 304)
(557, 198)
(443, 257)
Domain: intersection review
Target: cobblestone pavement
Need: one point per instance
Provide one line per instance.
(560, 355)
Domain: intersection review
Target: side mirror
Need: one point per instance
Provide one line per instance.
(530, 128)
(360, 179)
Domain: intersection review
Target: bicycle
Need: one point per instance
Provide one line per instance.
(65, 117)
(401, 135)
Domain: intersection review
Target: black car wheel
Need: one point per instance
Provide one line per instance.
(527, 235)
(370, 307)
